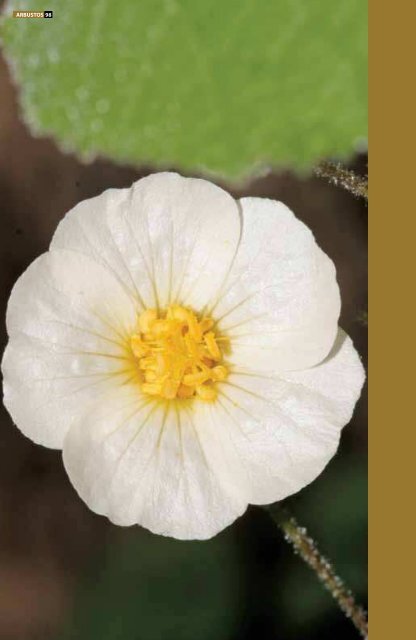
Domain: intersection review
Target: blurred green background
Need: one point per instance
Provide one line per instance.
(66, 573)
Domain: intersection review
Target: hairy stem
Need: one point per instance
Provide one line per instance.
(307, 549)
(336, 174)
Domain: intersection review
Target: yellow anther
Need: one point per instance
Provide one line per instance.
(146, 319)
(212, 346)
(178, 354)
(206, 324)
(161, 328)
(219, 372)
(138, 347)
(153, 389)
(169, 389)
(175, 311)
(194, 328)
(147, 363)
(206, 392)
(162, 364)
(192, 379)
(150, 376)
(185, 392)
(191, 346)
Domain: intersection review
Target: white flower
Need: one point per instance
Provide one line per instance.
(183, 350)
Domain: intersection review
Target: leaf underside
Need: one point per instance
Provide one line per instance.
(222, 87)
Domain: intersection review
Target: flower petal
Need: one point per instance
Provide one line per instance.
(283, 430)
(67, 319)
(281, 303)
(168, 238)
(140, 461)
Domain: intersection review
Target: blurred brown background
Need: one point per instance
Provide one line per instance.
(67, 573)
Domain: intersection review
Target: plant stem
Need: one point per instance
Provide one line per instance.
(305, 546)
(345, 178)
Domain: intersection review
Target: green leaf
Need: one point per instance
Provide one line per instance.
(218, 86)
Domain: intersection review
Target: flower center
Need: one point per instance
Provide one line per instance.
(178, 354)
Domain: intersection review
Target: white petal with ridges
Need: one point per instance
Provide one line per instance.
(68, 320)
(151, 465)
(167, 238)
(283, 429)
(281, 303)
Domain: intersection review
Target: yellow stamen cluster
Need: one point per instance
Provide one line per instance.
(178, 354)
